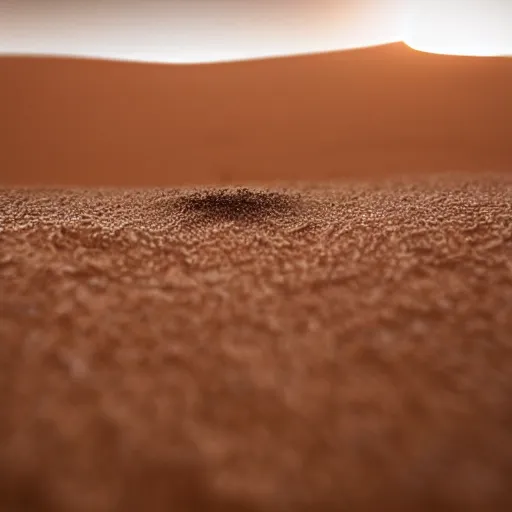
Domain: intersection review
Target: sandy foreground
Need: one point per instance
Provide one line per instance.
(307, 347)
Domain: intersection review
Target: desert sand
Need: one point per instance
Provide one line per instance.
(371, 112)
(304, 304)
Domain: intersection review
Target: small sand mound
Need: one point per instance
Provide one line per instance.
(236, 204)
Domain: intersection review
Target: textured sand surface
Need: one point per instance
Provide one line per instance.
(337, 347)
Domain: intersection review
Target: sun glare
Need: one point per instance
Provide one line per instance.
(201, 31)
(460, 27)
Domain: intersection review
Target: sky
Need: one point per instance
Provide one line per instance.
(460, 27)
(195, 31)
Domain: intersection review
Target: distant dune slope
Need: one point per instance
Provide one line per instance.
(369, 111)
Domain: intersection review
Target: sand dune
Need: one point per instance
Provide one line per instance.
(370, 111)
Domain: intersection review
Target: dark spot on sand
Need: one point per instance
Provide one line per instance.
(236, 204)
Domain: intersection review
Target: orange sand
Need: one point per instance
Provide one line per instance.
(315, 346)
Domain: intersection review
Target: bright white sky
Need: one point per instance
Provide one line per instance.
(190, 31)
(460, 27)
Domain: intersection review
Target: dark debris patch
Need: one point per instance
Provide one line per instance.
(236, 204)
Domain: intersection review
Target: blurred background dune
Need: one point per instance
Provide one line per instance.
(367, 111)
(370, 111)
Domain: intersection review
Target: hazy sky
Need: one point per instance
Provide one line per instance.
(194, 30)
(467, 27)
(216, 30)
